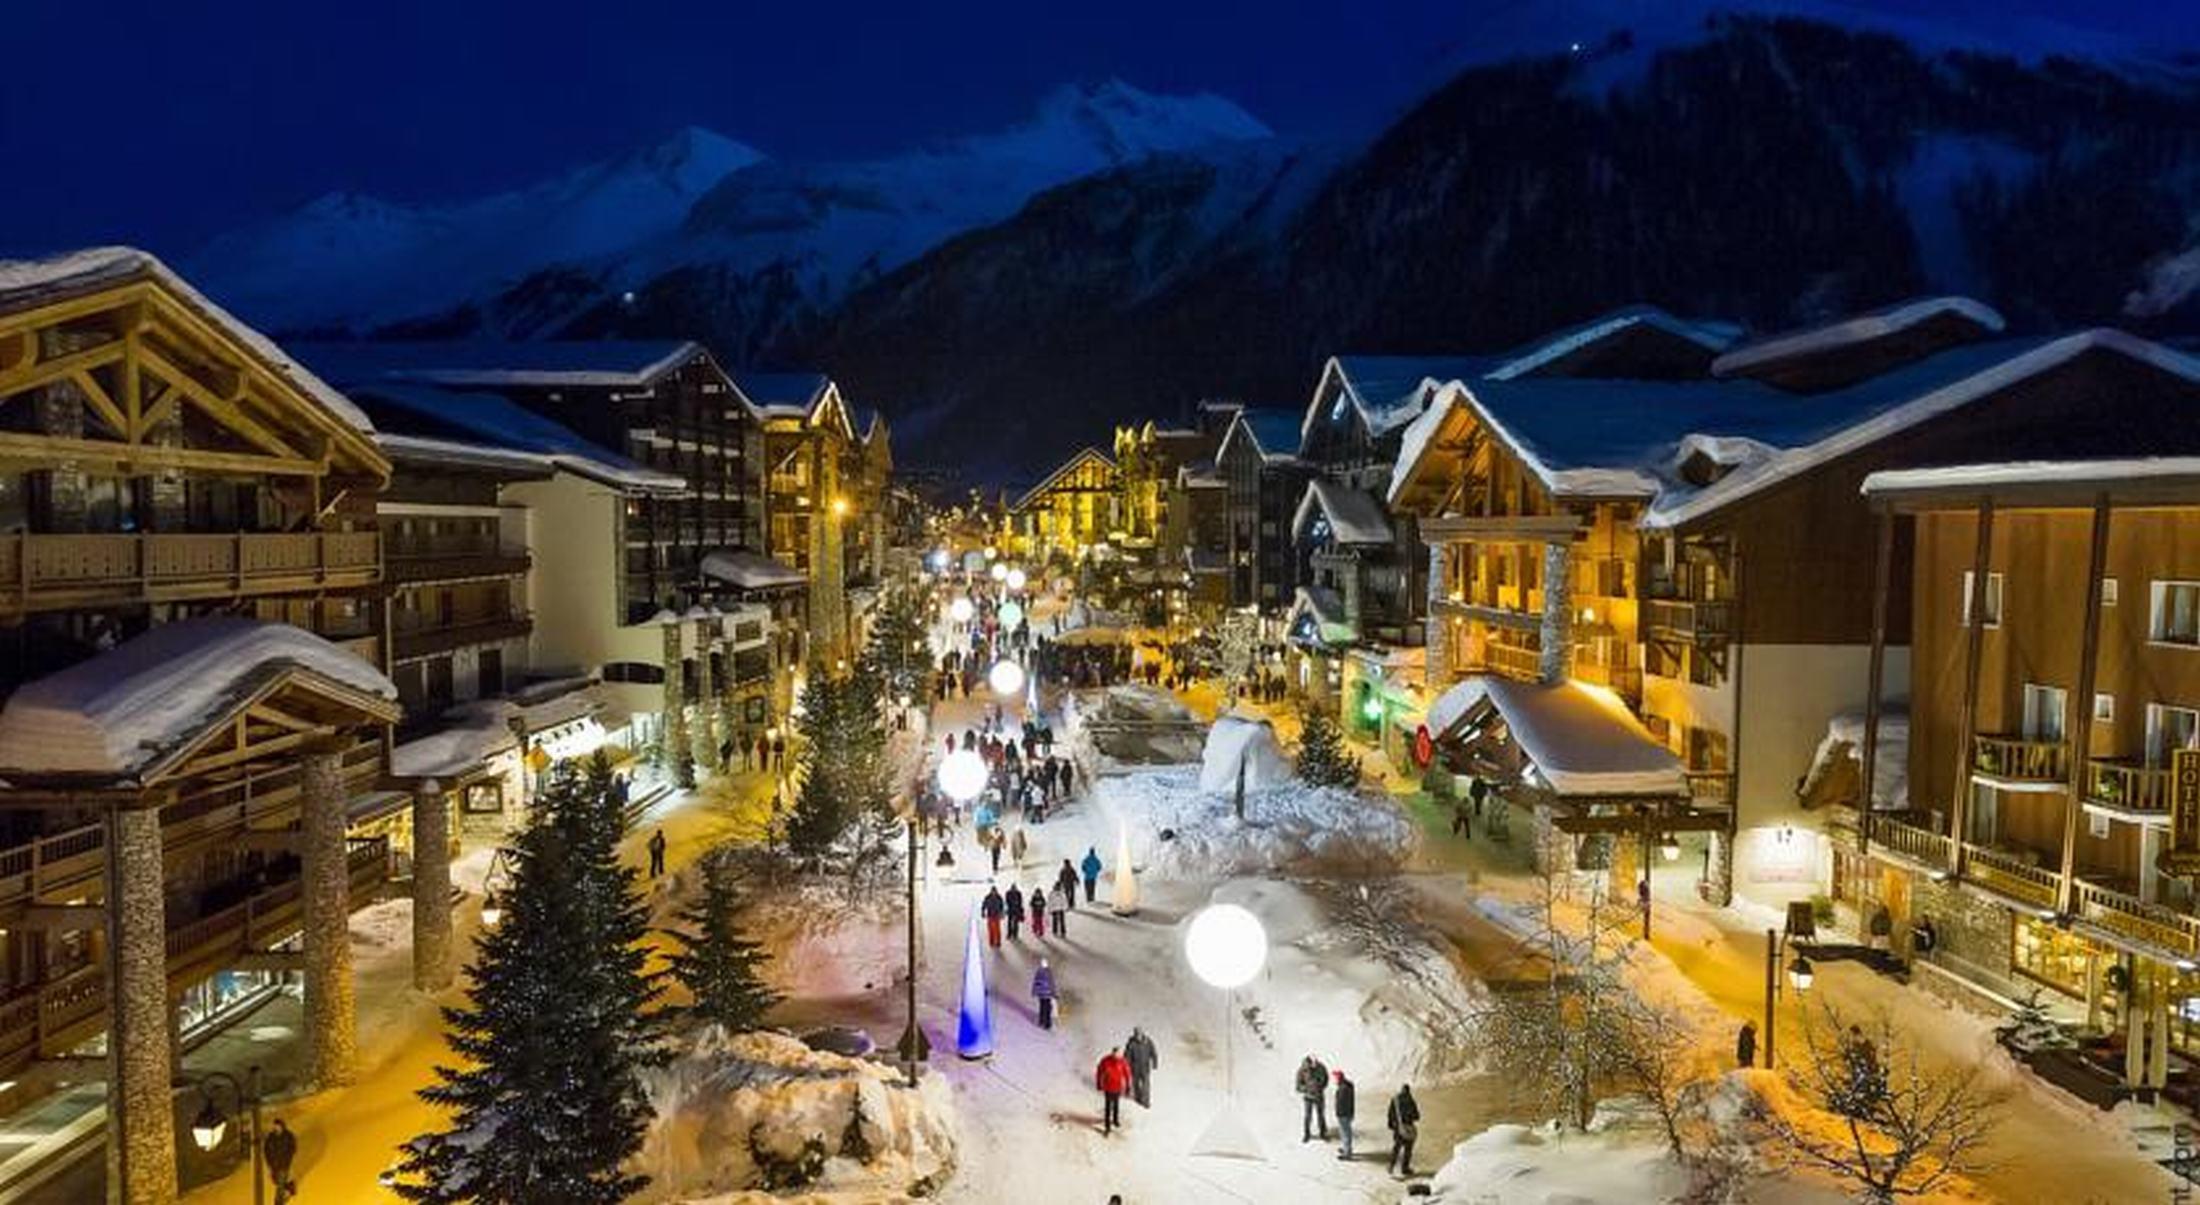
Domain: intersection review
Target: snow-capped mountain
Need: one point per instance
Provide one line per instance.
(547, 257)
(346, 260)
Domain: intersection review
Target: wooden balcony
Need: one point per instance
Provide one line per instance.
(427, 642)
(2126, 915)
(1694, 621)
(1513, 661)
(54, 1017)
(2020, 759)
(1921, 845)
(2010, 875)
(2127, 786)
(457, 566)
(50, 571)
(1626, 679)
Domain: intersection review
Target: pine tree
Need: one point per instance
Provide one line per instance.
(1322, 759)
(821, 807)
(721, 969)
(2031, 1027)
(548, 1105)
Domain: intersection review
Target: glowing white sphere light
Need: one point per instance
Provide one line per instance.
(1226, 946)
(962, 775)
(1006, 678)
(960, 610)
(1011, 613)
(1000, 572)
(1016, 579)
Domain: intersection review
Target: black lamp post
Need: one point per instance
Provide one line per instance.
(211, 1124)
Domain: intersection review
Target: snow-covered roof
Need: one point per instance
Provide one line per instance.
(1582, 742)
(1199, 475)
(569, 363)
(2079, 475)
(427, 421)
(1387, 391)
(1862, 328)
(28, 283)
(125, 713)
(1324, 609)
(1712, 337)
(1275, 433)
(1084, 455)
(784, 394)
(1354, 516)
(748, 570)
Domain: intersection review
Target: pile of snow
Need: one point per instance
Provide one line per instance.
(1243, 741)
(1082, 616)
(1836, 769)
(1292, 829)
(850, 949)
(727, 1099)
(1121, 728)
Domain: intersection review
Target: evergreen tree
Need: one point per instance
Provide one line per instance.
(548, 1105)
(1322, 759)
(720, 967)
(821, 804)
(898, 648)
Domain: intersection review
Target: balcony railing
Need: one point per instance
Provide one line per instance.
(2127, 915)
(50, 571)
(53, 1017)
(2127, 785)
(1708, 621)
(427, 642)
(2020, 759)
(2012, 876)
(1626, 679)
(1917, 844)
(1513, 661)
(445, 566)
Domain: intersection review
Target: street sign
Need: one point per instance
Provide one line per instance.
(2183, 855)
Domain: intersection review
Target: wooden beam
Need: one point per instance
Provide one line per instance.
(1959, 808)
(59, 368)
(266, 960)
(133, 458)
(56, 313)
(2081, 731)
(154, 411)
(1681, 822)
(97, 397)
(57, 918)
(16, 350)
(224, 409)
(1875, 676)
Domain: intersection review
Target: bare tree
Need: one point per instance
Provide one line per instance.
(1889, 1125)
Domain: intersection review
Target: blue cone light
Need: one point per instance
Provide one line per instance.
(974, 1024)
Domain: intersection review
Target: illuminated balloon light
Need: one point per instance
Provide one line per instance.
(1006, 678)
(960, 610)
(1000, 572)
(962, 775)
(1226, 946)
(1015, 579)
(1011, 613)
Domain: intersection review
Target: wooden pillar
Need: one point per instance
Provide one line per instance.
(431, 829)
(331, 1012)
(141, 1121)
(1882, 573)
(2081, 730)
(1959, 808)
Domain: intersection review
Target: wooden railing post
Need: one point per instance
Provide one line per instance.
(2081, 736)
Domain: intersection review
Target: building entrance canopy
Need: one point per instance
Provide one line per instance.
(1580, 741)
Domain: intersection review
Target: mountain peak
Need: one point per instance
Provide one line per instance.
(1128, 122)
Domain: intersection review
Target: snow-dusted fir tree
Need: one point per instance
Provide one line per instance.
(1322, 759)
(898, 648)
(721, 968)
(821, 808)
(2031, 1027)
(557, 1025)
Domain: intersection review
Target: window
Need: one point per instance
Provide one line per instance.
(2169, 729)
(2108, 591)
(2045, 708)
(2104, 709)
(2177, 613)
(1993, 599)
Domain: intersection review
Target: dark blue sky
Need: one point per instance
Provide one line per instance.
(160, 123)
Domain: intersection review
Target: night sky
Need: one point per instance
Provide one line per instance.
(159, 123)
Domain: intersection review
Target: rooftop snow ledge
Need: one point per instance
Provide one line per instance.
(2136, 471)
(1861, 329)
(1582, 741)
(1598, 329)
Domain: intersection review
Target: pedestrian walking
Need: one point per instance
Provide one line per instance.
(1017, 845)
(657, 854)
(992, 909)
(1459, 825)
(1091, 867)
(1113, 1078)
(993, 844)
(1042, 990)
(280, 1148)
(1745, 1045)
(1039, 912)
(779, 754)
(1069, 778)
(1345, 1104)
(1140, 1054)
(1064, 899)
(1313, 1086)
(1405, 1126)
(1015, 903)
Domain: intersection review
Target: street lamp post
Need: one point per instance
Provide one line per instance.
(212, 1124)
(1799, 973)
(1226, 946)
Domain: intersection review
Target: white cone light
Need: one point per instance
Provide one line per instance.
(962, 775)
(1226, 945)
(1015, 579)
(960, 610)
(1006, 678)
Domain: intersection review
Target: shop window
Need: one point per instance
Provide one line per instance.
(2040, 951)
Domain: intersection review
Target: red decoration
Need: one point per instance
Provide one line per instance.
(1424, 746)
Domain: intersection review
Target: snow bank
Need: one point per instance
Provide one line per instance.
(1083, 616)
(728, 1099)
(1836, 769)
(1293, 829)
(1249, 741)
(128, 708)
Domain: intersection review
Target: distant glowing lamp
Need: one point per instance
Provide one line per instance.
(1669, 849)
(209, 1126)
(1012, 613)
(991, 552)
(960, 610)
(1015, 579)
(1800, 973)
(840, 507)
(1372, 709)
(1006, 678)
(1000, 572)
(1226, 945)
(962, 775)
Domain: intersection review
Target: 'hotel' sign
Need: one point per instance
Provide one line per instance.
(2183, 854)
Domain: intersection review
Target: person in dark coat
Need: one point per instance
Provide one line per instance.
(1091, 867)
(1042, 990)
(1745, 1045)
(657, 854)
(1405, 1127)
(1039, 912)
(1140, 1053)
(1015, 903)
(280, 1148)
(1344, 1104)
(992, 909)
(1113, 1078)
(1064, 899)
(1313, 1086)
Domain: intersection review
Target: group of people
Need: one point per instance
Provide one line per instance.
(1318, 1099)
(1008, 911)
(1126, 1069)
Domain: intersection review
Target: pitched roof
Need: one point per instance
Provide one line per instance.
(1354, 516)
(1318, 611)
(1083, 455)
(1275, 433)
(2049, 482)
(425, 419)
(25, 284)
(784, 394)
(1524, 361)
(1860, 328)
(1387, 391)
(572, 363)
(1581, 742)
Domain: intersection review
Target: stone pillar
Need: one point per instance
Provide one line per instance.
(58, 410)
(1719, 872)
(1352, 588)
(138, 1050)
(331, 1013)
(431, 838)
(167, 499)
(1558, 612)
(1437, 674)
(706, 701)
(674, 739)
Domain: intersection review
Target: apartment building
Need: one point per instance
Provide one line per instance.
(816, 469)
(1259, 464)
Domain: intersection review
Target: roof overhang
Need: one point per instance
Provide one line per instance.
(1581, 740)
(2046, 485)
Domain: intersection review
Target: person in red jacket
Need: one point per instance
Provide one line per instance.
(1113, 1079)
